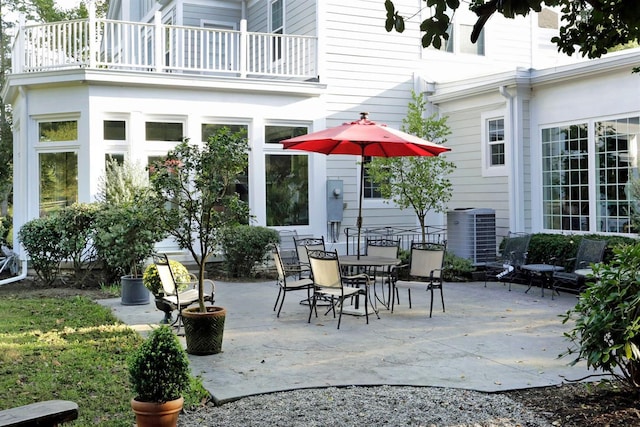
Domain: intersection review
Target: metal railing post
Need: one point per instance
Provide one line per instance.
(158, 54)
(243, 48)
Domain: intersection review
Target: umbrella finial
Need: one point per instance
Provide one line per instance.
(363, 115)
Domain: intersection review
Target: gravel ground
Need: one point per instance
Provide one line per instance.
(371, 406)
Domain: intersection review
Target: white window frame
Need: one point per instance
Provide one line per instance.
(485, 146)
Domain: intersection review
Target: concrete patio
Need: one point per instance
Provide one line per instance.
(489, 339)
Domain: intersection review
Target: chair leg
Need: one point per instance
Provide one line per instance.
(431, 305)
(312, 306)
(277, 298)
(442, 298)
(409, 293)
(284, 294)
(341, 302)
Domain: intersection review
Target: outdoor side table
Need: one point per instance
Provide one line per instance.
(545, 271)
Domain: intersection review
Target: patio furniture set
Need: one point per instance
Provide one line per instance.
(345, 283)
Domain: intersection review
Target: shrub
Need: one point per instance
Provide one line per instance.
(244, 245)
(159, 368)
(607, 331)
(152, 281)
(76, 224)
(41, 238)
(456, 269)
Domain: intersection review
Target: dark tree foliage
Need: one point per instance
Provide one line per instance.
(591, 26)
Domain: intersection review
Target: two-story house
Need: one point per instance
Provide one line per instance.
(547, 141)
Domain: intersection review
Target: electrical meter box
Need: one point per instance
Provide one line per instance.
(334, 200)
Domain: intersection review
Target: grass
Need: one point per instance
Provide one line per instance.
(70, 349)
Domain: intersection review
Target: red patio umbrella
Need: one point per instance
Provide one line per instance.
(364, 138)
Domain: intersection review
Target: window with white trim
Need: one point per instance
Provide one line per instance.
(276, 24)
(494, 143)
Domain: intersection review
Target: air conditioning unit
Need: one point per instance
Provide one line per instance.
(471, 234)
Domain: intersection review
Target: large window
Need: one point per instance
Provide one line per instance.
(616, 165)
(568, 181)
(565, 177)
(460, 40)
(58, 181)
(163, 131)
(286, 180)
(58, 131)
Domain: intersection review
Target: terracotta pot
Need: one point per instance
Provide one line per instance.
(157, 414)
(203, 331)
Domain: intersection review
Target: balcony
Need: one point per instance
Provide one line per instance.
(157, 48)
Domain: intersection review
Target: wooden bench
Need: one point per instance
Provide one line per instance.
(49, 413)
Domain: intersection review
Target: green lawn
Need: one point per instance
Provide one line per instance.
(71, 349)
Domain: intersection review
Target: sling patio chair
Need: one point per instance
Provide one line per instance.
(513, 256)
(8, 260)
(426, 266)
(303, 245)
(589, 252)
(384, 248)
(329, 282)
(174, 299)
(286, 283)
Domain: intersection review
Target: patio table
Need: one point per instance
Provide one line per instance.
(545, 271)
(365, 263)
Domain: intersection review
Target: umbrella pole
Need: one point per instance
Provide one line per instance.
(359, 220)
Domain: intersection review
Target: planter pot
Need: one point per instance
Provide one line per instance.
(203, 331)
(133, 291)
(157, 414)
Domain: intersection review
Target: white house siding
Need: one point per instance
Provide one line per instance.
(526, 152)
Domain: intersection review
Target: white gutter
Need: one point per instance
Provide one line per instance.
(515, 187)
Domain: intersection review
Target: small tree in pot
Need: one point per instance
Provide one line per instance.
(127, 226)
(159, 375)
(198, 183)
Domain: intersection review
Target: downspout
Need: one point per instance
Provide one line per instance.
(516, 220)
(16, 156)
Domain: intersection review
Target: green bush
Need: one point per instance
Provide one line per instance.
(41, 238)
(456, 269)
(550, 248)
(244, 245)
(152, 282)
(159, 368)
(607, 328)
(77, 230)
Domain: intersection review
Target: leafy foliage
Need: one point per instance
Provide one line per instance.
(41, 238)
(607, 318)
(151, 279)
(122, 182)
(126, 235)
(77, 230)
(243, 246)
(593, 26)
(456, 269)
(417, 182)
(197, 182)
(159, 369)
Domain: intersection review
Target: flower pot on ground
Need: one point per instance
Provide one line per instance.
(159, 376)
(204, 331)
(133, 291)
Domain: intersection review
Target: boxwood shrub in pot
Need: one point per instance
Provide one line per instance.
(159, 375)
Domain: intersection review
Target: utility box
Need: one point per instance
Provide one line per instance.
(471, 234)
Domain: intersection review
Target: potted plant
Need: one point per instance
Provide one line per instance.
(151, 281)
(127, 227)
(198, 182)
(159, 375)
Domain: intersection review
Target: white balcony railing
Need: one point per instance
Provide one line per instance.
(155, 47)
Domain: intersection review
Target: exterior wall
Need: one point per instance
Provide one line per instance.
(195, 14)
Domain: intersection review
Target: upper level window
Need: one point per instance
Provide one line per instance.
(163, 131)
(58, 131)
(460, 40)
(114, 130)
(276, 23)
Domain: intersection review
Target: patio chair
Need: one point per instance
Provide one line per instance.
(385, 248)
(303, 245)
(174, 299)
(426, 266)
(507, 265)
(589, 252)
(285, 285)
(330, 283)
